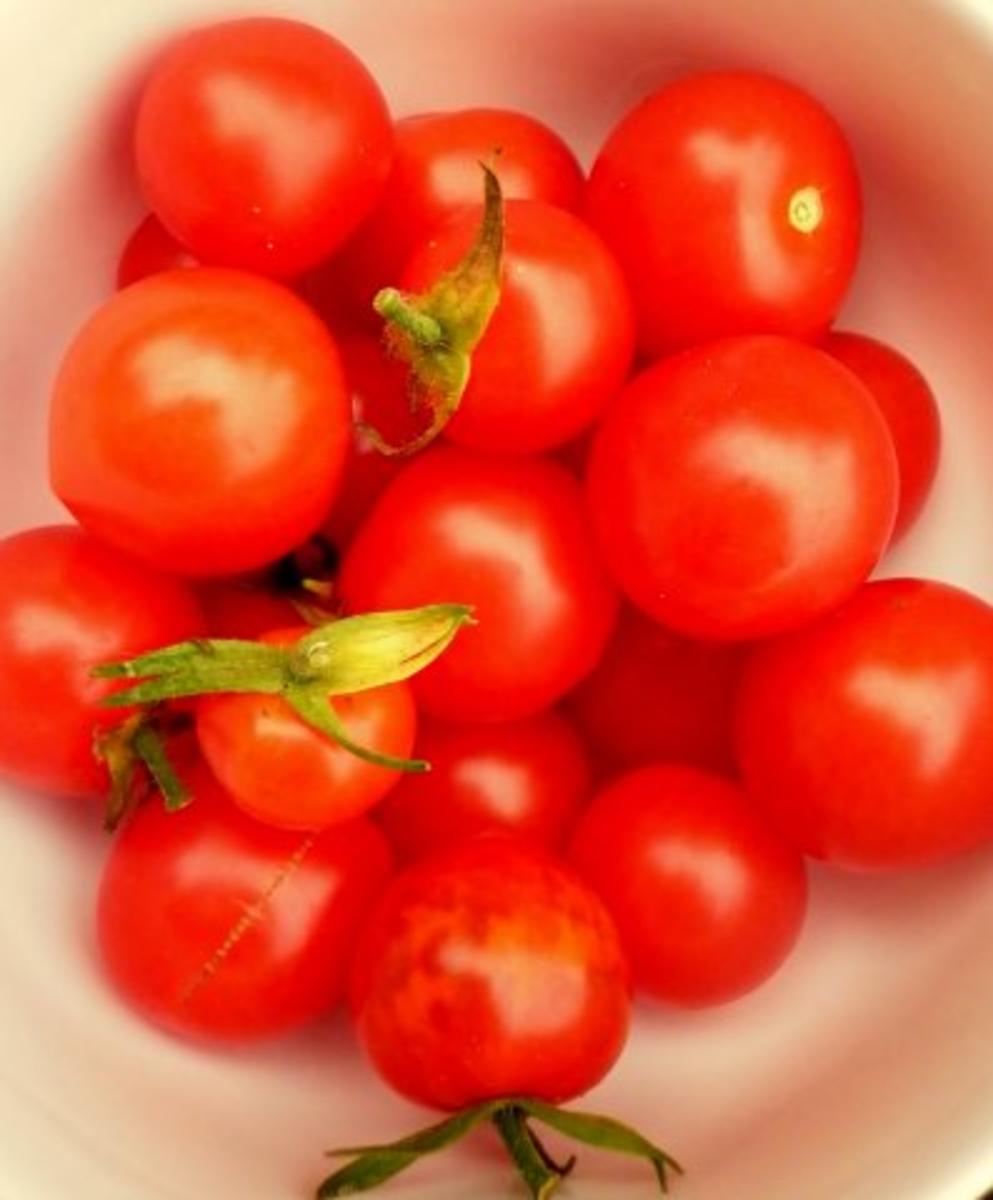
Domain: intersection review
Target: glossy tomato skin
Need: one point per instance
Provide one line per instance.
(655, 696)
(218, 927)
(261, 144)
(560, 342)
(909, 409)
(865, 737)
(281, 771)
(741, 488)
(731, 200)
(707, 900)
(67, 604)
(200, 422)
(508, 536)
(149, 250)
(527, 777)
(490, 970)
(241, 609)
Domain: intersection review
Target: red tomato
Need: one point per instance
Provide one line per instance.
(200, 422)
(561, 340)
(657, 697)
(909, 409)
(732, 202)
(262, 144)
(149, 250)
(708, 902)
(436, 172)
(742, 488)
(68, 603)
(866, 736)
(509, 536)
(216, 926)
(234, 609)
(281, 771)
(527, 777)
(490, 970)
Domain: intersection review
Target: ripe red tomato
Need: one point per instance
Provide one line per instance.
(490, 970)
(866, 736)
(216, 926)
(281, 771)
(909, 409)
(742, 488)
(262, 144)
(528, 777)
(707, 900)
(508, 536)
(732, 202)
(236, 609)
(68, 603)
(560, 342)
(149, 250)
(657, 697)
(200, 422)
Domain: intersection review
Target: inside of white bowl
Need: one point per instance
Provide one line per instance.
(862, 1071)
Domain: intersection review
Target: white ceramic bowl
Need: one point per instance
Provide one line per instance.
(864, 1071)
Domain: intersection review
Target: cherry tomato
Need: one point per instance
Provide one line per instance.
(67, 604)
(262, 144)
(909, 409)
(236, 609)
(866, 736)
(490, 970)
(200, 422)
(708, 901)
(528, 777)
(436, 172)
(561, 340)
(657, 697)
(281, 771)
(742, 488)
(508, 536)
(149, 250)
(732, 202)
(216, 926)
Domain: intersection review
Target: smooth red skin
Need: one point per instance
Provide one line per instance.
(149, 250)
(281, 771)
(742, 488)
(560, 342)
(865, 737)
(527, 777)
(508, 536)
(692, 192)
(275, 915)
(909, 409)
(436, 172)
(67, 604)
(708, 901)
(234, 609)
(655, 696)
(490, 970)
(262, 144)
(200, 422)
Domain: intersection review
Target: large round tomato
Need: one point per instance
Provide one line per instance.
(732, 202)
(866, 736)
(67, 604)
(707, 900)
(262, 144)
(200, 422)
(214, 925)
(742, 488)
(508, 536)
(490, 970)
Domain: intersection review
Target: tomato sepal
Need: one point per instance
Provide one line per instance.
(133, 744)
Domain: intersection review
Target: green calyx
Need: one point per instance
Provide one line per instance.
(436, 332)
(336, 659)
(135, 744)
(512, 1118)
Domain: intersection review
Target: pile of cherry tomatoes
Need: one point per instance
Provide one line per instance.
(468, 607)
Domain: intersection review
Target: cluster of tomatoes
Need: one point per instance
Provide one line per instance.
(587, 531)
